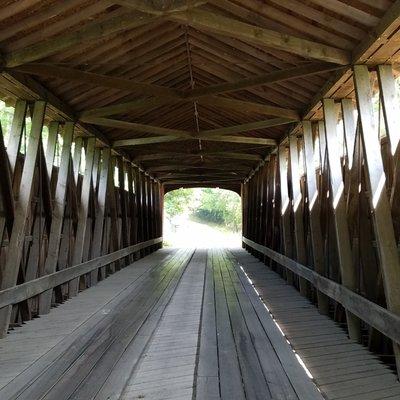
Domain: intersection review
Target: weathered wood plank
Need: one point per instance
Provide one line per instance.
(11, 269)
(58, 214)
(83, 213)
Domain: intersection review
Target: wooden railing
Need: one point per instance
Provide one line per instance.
(374, 315)
(16, 294)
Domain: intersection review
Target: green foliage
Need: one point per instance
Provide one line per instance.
(177, 202)
(221, 207)
(6, 115)
(217, 206)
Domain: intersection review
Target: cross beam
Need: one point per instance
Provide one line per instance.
(160, 7)
(164, 139)
(212, 134)
(230, 104)
(218, 154)
(164, 96)
(98, 80)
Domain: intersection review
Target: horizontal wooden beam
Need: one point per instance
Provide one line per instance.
(147, 140)
(374, 315)
(241, 139)
(230, 27)
(194, 176)
(25, 291)
(164, 139)
(307, 69)
(50, 70)
(160, 7)
(200, 181)
(223, 102)
(236, 168)
(93, 31)
(219, 154)
(213, 133)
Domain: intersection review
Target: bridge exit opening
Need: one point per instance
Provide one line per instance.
(202, 218)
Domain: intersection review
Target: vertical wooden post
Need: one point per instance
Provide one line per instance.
(145, 211)
(152, 211)
(77, 158)
(12, 265)
(285, 202)
(131, 210)
(17, 128)
(6, 192)
(58, 215)
(123, 205)
(113, 218)
(136, 206)
(301, 254)
(100, 213)
(391, 113)
(314, 210)
(348, 273)
(51, 146)
(390, 104)
(375, 177)
(45, 164)
(83, 214)
(243, 195)
(159, 213)
(139, 205)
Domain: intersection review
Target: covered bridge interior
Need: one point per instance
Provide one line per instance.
(112, 103)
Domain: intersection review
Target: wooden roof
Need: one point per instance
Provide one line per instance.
(196, 92)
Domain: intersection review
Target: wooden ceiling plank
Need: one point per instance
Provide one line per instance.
(220, 48)
(247, 106)
(121, 108)
(90, 32)
(253, 34)
(301, 26)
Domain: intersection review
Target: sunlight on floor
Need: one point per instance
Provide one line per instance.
(188, 233)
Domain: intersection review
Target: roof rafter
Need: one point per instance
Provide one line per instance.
(92, 31)
(219, 24)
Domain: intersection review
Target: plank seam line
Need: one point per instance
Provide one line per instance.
(298, 357)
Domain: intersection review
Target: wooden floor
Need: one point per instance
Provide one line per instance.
(341, 368)
(187, 324)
